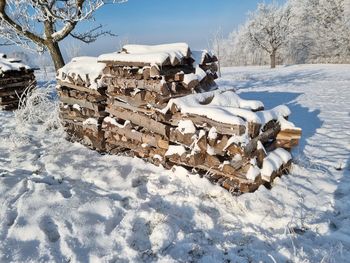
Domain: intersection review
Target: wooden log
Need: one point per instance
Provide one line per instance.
(154, 72)
(264, 137)
(150, 84)
(9, 100)
(138, 149)
(147, 138)
(12, 92)
(177, 137)
(6, 81)
(99, 91)
(206, 123)
(146, 73)
(288, 138)
(140, 119)
(191, 85)
(116, 63)
(24, 84)
(83, 103)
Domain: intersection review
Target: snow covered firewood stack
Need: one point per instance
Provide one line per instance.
(141, 80)
(163, 106)
(16, 79)
(151, 75)
(83, 101)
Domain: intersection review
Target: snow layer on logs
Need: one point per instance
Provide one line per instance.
(86, 68)
(175, 150)
(287, 125)
(274, 161)
(147, 58)
(149, 55)
(180, 48)
(273, 114)
(186, 127)
(199, 56)
(224, 106)
(7, 65)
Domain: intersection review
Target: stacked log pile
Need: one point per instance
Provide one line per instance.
(16, 79)
(162, 109)
(146, 76)
(163, 106)
(83, 101)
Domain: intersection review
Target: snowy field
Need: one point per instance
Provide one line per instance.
(61, 202)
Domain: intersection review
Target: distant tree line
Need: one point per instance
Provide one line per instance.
(300, 31)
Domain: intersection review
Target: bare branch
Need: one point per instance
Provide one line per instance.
(92, 35)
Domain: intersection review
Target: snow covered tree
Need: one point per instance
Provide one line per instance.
(269, 28)
(330, 32)
(45, 23)
(215, 45)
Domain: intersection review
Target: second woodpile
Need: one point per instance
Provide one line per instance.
(161, 103)
(16, 80)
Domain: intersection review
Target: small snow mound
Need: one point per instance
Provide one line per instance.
(162, 236)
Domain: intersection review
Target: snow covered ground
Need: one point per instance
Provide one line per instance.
(61, 202)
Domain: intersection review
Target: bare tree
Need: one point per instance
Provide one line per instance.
(45, 23)
(269, 28)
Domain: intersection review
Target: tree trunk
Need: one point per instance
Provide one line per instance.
(56, 55)
(273, 59)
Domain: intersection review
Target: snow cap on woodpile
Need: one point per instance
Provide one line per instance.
(226, 106)
(203, 56)
(87, 69)
(10, 64)
(147, 55)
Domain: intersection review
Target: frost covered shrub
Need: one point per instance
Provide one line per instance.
(39, 106)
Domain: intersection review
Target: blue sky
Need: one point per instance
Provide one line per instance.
(163, 21)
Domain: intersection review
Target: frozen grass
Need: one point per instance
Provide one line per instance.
(38, 106)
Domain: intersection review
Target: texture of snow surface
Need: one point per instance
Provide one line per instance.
(83, 67)
(61, 202)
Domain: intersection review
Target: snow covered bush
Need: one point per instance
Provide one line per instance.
(39, 106)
